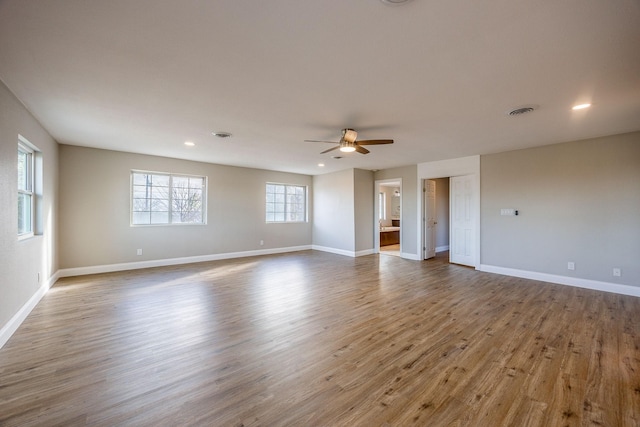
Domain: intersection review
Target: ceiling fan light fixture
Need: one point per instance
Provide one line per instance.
(348, 148)
(349, 135)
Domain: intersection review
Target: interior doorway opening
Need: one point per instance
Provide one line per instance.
(436, 217)
(388, 225)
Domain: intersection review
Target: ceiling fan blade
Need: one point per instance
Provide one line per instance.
(331, 149)
(375, 142)
(315, 140)
(361, 150)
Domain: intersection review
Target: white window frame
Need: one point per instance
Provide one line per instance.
(26, 148)
(287, 188)
(171, 213)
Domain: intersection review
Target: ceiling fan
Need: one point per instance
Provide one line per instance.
(348, 144)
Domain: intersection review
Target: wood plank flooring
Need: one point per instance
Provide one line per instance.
(317, 339)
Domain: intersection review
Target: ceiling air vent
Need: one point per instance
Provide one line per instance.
(394, 2)
(521, 110)
(221, 134)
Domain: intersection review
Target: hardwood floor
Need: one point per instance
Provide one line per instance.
(317, 339)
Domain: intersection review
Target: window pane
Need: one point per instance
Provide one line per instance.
(141, 192)
(196, 183)
(24, 213)
(285, 203)
(160, 180)
(167, 198)
(159, 217)
(159, 205)
(140, 218)
(23, 170)
(141, 179)
(160, 192)
(140, 205)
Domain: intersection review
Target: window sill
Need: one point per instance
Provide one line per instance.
(27, 236)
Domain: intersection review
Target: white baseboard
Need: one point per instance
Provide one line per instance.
(14, 323)
(81, 271)
(564, 280)
(333, 250)
(442, 248)
(413, 257)
(365, 252)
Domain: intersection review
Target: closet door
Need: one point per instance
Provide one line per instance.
(462, 221)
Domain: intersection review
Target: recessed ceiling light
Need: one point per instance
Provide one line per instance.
(321, 165)
(221, 134)
(580, 106)
(189, 143)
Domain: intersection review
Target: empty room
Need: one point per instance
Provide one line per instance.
(339, 213)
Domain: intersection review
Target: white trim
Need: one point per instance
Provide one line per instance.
(442, 248)
(365, 252)
(352, 254)
(376, 214)
(414, 257)
(80, 271)
(14, 323)
(564, 280)
(334, 250)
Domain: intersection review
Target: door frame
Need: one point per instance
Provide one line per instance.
(376, 213)
(425, 225)
(449, 168)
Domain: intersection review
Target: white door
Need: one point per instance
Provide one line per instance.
(462, 223)
(429, 218)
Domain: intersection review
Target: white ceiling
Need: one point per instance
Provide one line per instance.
(437, 76)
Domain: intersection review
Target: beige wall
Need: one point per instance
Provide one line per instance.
(22, 261)
(334, 210)
(343, 211)
(363, 213)
(95, 203)
(578, 201)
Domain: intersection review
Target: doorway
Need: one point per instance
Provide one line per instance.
(461, 224)
(388, 224)
(436, 217)
(466, 172)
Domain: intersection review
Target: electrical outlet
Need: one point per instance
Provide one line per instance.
(617, 272)
(261, 242)
(139, 252)
(571, 265)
